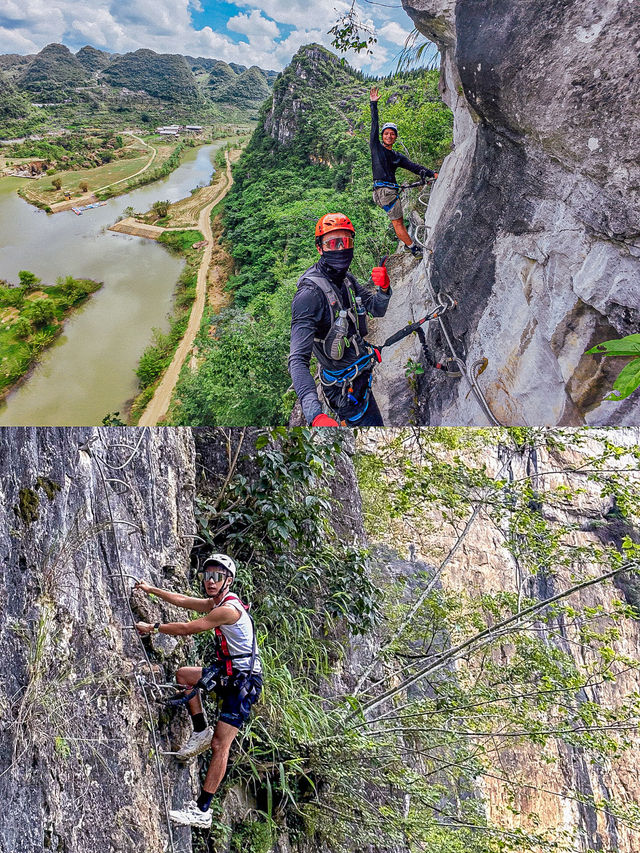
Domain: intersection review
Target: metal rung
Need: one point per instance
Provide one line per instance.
(422, 240)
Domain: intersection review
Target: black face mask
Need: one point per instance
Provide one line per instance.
(340, 260)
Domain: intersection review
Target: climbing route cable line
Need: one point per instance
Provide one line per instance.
(470, 373)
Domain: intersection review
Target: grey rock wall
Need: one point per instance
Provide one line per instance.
(77, 765)
(534, 223)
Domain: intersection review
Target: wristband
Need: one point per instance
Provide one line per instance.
(156, 627)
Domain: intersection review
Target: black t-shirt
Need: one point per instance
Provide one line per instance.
(384, 162)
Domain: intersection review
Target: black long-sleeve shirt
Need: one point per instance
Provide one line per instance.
(311, 318)
(384, 161)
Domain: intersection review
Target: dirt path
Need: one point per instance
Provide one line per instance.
(159, 403)
(144, 168)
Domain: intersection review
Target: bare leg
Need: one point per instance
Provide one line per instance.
(189, 676)
(401, 231)
(222, 740)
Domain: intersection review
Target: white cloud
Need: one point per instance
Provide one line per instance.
(300, 13)
(253, 25)
(394, 33)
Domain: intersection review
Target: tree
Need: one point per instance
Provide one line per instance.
(28, 280)
(57, 183)
(84, 186)
(461, 678)
(161, 208)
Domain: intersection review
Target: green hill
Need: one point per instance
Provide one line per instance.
(53, 73)
(93, 59)
(250, 88)
(221, 75)
(13, 104)
(118, 90)
(166, 76)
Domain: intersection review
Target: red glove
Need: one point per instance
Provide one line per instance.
(380, 276)
(324, 420)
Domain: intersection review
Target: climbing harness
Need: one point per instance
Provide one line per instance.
(400, 189)
(220, 674)
(387, 185)
(346, 377)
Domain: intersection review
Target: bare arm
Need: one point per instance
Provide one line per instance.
(187, 602)
(219, 616)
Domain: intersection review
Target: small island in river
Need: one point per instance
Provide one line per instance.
(32, 316)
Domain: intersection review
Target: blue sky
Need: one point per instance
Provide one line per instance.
(266, 35)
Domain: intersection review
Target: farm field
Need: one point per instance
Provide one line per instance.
(42, 192)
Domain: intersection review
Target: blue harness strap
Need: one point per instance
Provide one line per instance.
(347, 375)
(333, 377)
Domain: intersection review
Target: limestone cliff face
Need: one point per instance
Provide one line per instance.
(77, 758)
(534, 222)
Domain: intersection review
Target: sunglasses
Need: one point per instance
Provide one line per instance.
(333, 244)
(214, 575)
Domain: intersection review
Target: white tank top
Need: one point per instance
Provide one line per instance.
(239, 636)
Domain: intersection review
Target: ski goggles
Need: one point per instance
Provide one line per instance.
(334, 244)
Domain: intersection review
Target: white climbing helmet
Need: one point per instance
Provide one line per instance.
(221, 560)
(390, 126)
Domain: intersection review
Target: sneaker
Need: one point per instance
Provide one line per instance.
(416, 251)
(197, 743)
(191, 815)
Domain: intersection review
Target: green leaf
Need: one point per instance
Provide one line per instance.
(628, 346)
(628, 380)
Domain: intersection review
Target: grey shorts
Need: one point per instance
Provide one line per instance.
(384, 196)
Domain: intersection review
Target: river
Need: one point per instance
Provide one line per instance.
(89, 371)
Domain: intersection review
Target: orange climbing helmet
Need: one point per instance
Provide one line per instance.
(332, 222)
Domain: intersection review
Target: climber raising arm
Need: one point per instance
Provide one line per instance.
(187, 602)
(220, 616)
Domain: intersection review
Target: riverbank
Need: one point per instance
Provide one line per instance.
(81, 187)
(32, 317)
(158, 356)
(168, 354)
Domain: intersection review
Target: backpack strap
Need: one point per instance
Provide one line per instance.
(330, 294)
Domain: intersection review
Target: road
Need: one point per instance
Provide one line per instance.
(159, 403)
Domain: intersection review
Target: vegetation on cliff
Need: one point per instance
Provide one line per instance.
(396, 689)
(320, 112)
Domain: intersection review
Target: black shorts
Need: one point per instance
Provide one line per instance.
(237, 697)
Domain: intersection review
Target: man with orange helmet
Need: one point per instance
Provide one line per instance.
(384, 162)
(329, 320)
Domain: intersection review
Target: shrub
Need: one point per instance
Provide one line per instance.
(22, 328)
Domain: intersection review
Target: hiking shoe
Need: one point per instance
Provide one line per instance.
(416, 251)
(191, 815)
(197, 743)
